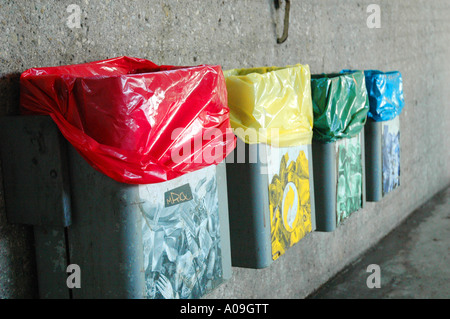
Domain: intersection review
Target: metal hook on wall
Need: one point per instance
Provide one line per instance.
(286, 19)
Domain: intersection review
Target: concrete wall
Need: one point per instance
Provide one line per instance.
(329, 35)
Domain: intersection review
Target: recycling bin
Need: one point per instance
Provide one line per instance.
(115, 190)
(269, 174)
(382, 132)
(340, 106)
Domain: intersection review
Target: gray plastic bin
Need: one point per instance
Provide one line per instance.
(165, 240)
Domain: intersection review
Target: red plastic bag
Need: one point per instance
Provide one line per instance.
(135, 121)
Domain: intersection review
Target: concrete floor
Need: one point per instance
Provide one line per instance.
(414, 260)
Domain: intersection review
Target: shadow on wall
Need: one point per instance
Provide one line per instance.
(17, 260)
(9, 94)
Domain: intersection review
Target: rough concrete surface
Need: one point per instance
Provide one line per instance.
(413, 259)
(329, 35)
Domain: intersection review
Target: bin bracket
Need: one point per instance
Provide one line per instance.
(286, 19)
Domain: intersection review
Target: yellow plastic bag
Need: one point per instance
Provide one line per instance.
(274, 102)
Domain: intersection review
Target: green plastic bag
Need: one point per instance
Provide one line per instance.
(340, 105)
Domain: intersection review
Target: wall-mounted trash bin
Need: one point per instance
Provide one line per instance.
(133, 120)
(340, 105)
(382, 133)
(159, 227)
(164, 240)
(270, 177)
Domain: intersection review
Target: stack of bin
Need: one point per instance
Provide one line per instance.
(270, 178)
(340, 106)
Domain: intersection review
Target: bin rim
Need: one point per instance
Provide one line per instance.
(259, 71)
(106, 111)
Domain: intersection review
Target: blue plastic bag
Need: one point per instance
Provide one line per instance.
(385, 90)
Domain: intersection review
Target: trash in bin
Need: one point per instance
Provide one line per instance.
(128, 116)
(340, 105)
(382, 132)
(149, 215)
(270, 182)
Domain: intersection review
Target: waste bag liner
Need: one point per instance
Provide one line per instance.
(167, 240)
(269, 98)
(385, 90)
(142, 209)
(340, 105)
(133, 120)
(269, 175)
(382, 132)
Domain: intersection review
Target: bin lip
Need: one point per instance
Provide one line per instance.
(378, 72)
(106, 69)
(259, 71)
